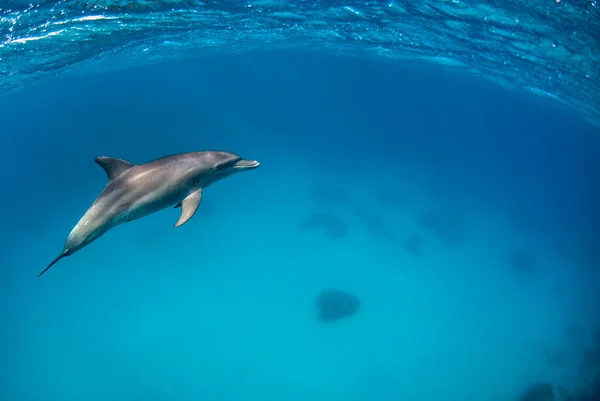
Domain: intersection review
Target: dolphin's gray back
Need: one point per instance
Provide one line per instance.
(149, 187)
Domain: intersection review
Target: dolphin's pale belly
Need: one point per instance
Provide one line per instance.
(128, 206)
(116, 206)
(146, 206)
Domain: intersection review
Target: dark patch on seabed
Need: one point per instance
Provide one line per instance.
(413, 244)
(332, 226)
(588, 386)
(522, 261)
(447, 226)
(334, 304)
(589, 370)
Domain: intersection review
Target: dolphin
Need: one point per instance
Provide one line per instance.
(137, 190)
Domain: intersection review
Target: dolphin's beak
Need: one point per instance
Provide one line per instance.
(246, 164)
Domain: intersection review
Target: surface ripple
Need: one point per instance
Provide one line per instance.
(548, 47)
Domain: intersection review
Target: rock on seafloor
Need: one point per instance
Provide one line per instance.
(334, 304)
(539, 392)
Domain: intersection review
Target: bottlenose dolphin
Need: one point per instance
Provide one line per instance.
(134, 191)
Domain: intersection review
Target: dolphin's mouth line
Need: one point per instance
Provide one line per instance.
(246, 164)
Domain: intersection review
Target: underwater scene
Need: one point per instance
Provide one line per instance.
(279, 200)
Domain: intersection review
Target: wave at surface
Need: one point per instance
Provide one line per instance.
(550, 48)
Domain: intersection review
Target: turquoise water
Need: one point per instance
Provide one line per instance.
(463, 215)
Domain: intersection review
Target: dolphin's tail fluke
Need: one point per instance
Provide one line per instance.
(59, 257)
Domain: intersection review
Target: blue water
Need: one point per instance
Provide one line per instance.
(463, 214)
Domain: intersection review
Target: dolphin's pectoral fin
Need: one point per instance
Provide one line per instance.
(177, 205)
(112, 166)
(189, 206)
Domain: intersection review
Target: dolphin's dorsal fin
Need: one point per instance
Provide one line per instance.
(189, 206)
(112, 166)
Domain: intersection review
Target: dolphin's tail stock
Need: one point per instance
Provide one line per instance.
(59, 257)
